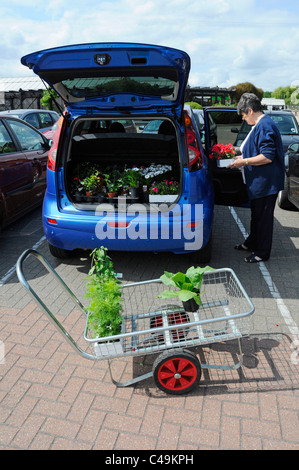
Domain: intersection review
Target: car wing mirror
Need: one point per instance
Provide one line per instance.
(293, 148)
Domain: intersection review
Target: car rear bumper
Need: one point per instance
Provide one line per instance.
(185, 228)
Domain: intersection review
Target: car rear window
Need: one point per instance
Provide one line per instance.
(96, 86)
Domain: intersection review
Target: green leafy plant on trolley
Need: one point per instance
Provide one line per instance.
(104, 293)
(188, 284)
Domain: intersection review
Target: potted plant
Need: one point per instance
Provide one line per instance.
(223, 154)
(92, 184)
(188, 284)
(164, 191)
(113, 182)
(132, 178)
(105, 302)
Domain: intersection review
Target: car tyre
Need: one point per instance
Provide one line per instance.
(283, 200)
(204, 256)
(60, 252)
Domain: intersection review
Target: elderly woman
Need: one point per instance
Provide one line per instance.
(263, 161)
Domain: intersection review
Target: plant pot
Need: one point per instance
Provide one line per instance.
(110, 348)
(190, 306)
(134, 192)
(113, 194)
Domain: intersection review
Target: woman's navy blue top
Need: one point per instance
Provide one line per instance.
(264, 180)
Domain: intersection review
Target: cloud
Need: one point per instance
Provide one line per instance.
(228, 41)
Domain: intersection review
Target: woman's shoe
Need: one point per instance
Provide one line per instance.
(253, 259)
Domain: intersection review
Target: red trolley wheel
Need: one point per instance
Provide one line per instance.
(177, 372)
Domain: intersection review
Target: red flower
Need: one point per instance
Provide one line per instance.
(221, 151)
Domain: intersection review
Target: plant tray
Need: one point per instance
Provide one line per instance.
(224, 163)
(162, 198)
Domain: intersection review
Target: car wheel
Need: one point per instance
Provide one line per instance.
(283, 201)
(60, 252)
(177, 372)
(204, 256)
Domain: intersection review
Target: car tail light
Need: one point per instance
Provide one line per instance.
(52, 221)
(194, 152)
(53, 150)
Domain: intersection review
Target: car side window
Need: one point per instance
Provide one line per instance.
(6, 143)
(33, 120)
(28, 138)
(45, 119)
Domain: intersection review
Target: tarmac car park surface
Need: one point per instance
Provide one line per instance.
(50, 398)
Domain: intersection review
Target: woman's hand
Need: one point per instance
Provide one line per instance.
(238, 162)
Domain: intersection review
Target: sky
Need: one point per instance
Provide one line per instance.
(229, 41)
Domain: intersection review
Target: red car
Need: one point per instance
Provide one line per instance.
(23, 164)
(50, 132)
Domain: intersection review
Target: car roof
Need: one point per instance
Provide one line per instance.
(22, 111)
(277, 111)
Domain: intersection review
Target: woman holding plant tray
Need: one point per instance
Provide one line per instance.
(263, 162)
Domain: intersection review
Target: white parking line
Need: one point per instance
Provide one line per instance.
(12, 270)
(285, 313)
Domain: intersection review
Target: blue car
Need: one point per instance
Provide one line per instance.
(109, 186)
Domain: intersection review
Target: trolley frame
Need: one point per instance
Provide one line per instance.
(149, 335)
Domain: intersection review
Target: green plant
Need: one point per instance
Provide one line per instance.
(92, 183)
(47, 98)
(104, 291)
(114, 180)
(132, 178)
(188, 283)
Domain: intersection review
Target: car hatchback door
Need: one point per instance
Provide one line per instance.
(115, 77)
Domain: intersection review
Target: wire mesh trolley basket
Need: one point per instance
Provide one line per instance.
(152, 326)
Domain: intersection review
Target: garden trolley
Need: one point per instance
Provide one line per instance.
(152, 326)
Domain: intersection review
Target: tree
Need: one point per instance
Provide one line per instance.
(194, 105)
(47, 98)
(286, 93)
(246, 87)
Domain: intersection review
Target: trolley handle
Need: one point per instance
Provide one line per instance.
(36, 298)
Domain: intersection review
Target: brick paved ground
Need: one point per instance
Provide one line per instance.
(52, 398)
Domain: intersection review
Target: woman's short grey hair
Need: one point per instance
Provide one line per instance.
(247, 101)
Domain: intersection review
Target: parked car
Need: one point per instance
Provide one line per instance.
(286, 123)
(41, 119)
(152, 127)
(100, 83)
(289, 197)
(23, 166)
(200, 120)
(49, 133)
